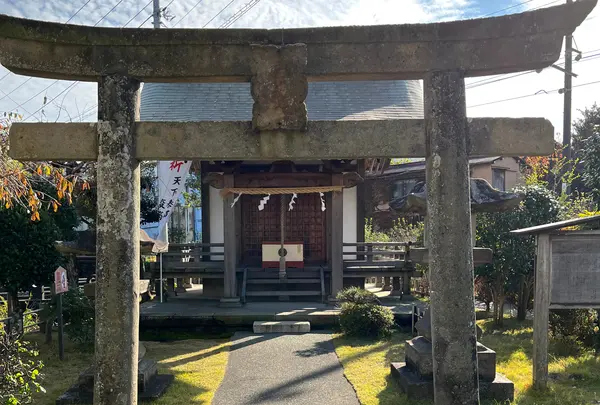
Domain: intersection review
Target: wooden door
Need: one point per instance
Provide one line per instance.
(305, 223)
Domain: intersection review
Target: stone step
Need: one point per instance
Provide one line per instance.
(286, 281)
(280, 293)
(281, 327)
(275, 274)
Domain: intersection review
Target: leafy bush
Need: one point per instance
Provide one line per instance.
(78, 316)
(356, 295)
(361, 314)
(19, 371)
(371, 235)
(3, 308)
(366, 320)
(573, 329)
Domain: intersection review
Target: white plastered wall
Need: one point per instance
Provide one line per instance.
(217, 234)
(350, 228)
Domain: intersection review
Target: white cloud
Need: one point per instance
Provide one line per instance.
(299, 13)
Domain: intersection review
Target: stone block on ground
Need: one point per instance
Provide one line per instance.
(419, 357)
(486, 363)
(281, 327)
(423, 326)
(501, 389)
(151, 385)
(233, 302)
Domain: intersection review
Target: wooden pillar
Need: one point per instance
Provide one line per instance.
(396, 287)
(387, 284)
(406, 282)
(541, 310)
(450, 244)
(205, 197)
(360, 207)
(230, 297)
(118, 244)
(474, 228)
(337, 239)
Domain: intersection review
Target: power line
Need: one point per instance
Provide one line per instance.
(239, 14)
(28, 79)
(532, 95)
(188, 12)
(507, 8)
(138, 13)
(107, 14)
(491, 80)
(219, 13)
(146, 20)
(56, 81)
(51, 100)
(77, 12)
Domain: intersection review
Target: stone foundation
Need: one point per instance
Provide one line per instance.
(151, 385)
(500, 389)
(415, 375)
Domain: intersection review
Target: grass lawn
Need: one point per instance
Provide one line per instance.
(198, 365)
(575, 380)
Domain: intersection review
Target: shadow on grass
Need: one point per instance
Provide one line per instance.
(194, 383)
(237, 342)
(513, 337)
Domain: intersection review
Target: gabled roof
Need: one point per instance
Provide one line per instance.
(555, 225)
(418, 165)
(358, 100)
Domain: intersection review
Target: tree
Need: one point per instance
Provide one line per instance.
(23, 183)
(511, 270)
(27, 253)
(590, 157)
(585, 141)
(585, 126)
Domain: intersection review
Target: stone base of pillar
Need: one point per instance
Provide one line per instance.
(151, 385)
(233, 302)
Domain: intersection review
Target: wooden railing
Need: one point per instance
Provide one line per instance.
(377, 258)
(191, 259)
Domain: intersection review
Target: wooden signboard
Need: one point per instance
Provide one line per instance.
(567, 276)
(575, 270)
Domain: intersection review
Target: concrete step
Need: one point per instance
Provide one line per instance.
(275, 274)
(286, 281)
(281, 327)
(280, 293)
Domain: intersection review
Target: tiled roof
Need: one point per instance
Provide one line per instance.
(418, 165)
(362, 100)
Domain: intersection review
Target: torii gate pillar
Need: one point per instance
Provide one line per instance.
(450, 246)
(118, 244)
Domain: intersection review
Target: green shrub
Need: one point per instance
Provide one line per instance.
(3, 308)
(356, 295)
(573, 329)
(19, 371)
(78, 316)
(366, 320)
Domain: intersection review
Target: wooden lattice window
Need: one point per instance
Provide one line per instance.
(305, 223)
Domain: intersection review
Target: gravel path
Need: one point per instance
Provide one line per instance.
(284, 369)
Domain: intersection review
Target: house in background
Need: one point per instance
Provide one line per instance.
(397, 180)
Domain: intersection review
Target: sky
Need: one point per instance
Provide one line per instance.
(62, 101)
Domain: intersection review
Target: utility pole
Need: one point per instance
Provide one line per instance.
(156, 13)
(567, 106)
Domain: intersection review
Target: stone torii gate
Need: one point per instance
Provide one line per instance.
(279, 64)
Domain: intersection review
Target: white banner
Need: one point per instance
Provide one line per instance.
(171, 182)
